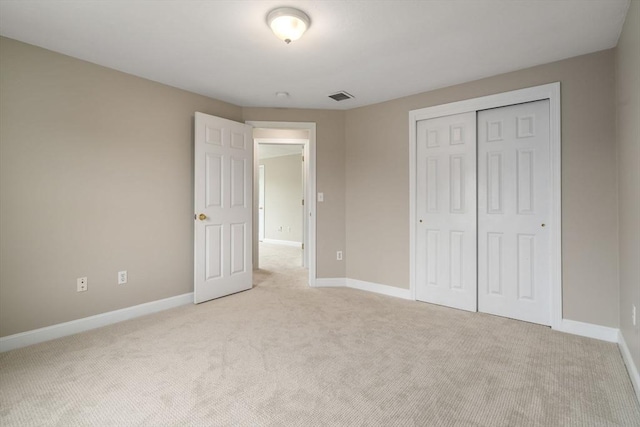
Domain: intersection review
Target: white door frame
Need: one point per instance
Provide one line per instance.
(309, 151)
(261, 187)
(549, 91)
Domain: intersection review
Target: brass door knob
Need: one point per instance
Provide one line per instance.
(202, 217)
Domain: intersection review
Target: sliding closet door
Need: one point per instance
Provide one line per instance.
(514, 212)
(446, 211)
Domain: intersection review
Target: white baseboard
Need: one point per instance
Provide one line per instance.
(589, 330)
(363, 286)
(379, 289)
(283, 242)
(334, 282)
(36, 336)
(631, 366)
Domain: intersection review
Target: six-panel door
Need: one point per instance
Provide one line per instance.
(223, 189)
(446, 211)
(508, 272)
(514, 212)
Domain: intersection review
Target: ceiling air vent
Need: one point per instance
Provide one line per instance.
(341, 96)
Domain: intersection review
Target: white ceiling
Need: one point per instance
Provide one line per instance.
(376, 50)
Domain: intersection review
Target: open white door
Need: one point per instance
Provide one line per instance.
(223, 185)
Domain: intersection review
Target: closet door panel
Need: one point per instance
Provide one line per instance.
(514, 215)
(446, 211)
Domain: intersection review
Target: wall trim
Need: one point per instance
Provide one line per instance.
(283, 242)
(589, 330)
(333, 282)
(632, 369)
(379, 289)
(60, 330)
(376, 288)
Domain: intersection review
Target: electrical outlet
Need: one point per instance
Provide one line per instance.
(82, 284)
(321, 197)
(633, 315)
(339, 255)
(122, 277)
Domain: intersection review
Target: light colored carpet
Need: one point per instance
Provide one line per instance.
(284, 354)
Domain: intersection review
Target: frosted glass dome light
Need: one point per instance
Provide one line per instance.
(287, 23)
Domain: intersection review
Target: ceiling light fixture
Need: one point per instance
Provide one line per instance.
(287, 23)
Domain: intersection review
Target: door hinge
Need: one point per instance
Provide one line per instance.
(303, 158)
(303, 246)
(302, 202)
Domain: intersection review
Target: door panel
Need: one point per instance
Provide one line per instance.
(514, 212)
(213, 180)
(238, 249)
(446, 211)
(494, 263)
(213, 251)
(238, 184)
(223, 223)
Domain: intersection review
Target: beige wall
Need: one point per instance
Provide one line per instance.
(377, 182)
(95, 177)
(628, 128)
(283, 197)
(330, 174)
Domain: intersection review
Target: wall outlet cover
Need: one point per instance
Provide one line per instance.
(122, 277)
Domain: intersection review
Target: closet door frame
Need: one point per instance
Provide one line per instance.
(549, 91)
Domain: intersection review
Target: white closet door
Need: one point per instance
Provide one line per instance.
(446, 211)
(514, 212)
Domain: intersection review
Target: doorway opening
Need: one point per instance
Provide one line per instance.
(282, 143)
(281, 201)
